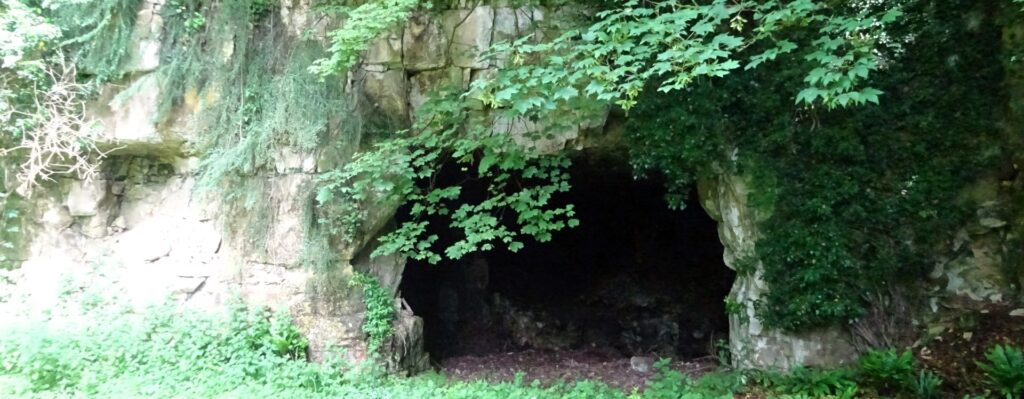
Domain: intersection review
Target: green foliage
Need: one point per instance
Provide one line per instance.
(173, 353)
(927, 385)
(26, 34)
(261, 100)
(852, 200)
(888, 369)
(520, 184)
(42, 129)
(673, 44)
(26, 42)
(671, 384)
(362, 24)
(162, 352)
(667, 383)
(97, 33)
(1004, 370)
(554, 85)
(380, 310)
(723, 352)
(256, 105)
(11, 235)
(814, 382)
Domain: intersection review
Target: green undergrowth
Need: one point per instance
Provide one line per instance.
(165, 352)
(104, 349)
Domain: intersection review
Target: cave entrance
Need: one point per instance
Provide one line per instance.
(633, 279)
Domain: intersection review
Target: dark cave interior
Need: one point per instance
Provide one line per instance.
(634, 278)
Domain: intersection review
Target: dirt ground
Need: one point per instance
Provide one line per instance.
(569, 365)
(953, 352)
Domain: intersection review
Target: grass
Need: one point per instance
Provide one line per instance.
(92, 345)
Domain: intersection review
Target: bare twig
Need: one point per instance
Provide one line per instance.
(61, 141)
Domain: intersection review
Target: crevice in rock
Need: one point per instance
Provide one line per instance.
(634, 279)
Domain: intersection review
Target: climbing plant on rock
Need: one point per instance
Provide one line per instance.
(363, 23)
(520, 186)
(858, 199)
(380, 310)
(555, 85)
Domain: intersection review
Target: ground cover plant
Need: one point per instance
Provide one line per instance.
(99, 348)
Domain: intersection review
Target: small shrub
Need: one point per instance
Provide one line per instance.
(380, 309)
(817, 382)
(666, 383)
(888, 369)
(671, 384)
(927, 385)
(722, 351)
(1004, 370)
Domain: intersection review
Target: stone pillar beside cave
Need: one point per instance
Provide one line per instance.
(727, 200)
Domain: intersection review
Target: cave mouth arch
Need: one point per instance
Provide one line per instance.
(635, 278)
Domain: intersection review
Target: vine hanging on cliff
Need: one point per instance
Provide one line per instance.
(520, 185)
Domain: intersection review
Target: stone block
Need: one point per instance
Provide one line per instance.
(421, 84)
(144, 49)
(288, 160)
(424, 44)
(86, 197)
(126, 118)
(470, 31)
(386, 92)
(386, 49)
(537, 136)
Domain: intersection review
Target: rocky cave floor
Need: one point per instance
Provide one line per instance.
(553, 366)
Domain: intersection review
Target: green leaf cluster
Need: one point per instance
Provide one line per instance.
(26, 46)
(194, 354)
(361, 24)
(520, 185)
(380, 310)
(97, 34)
(853, 199)
(888, 369)
(672, 44)
(1004, 370)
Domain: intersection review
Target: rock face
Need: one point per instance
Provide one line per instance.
(752, 345)
(148, 230)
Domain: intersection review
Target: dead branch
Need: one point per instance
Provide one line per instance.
(60, 142)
